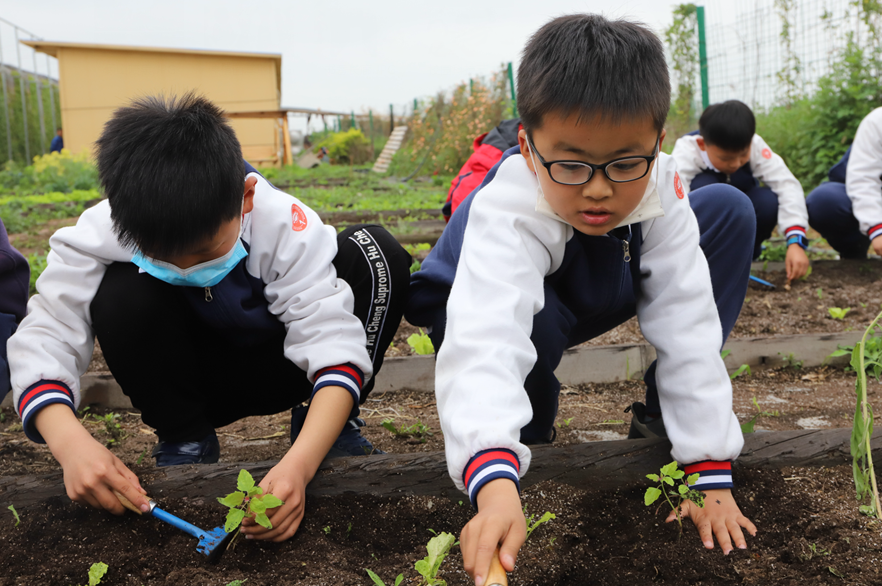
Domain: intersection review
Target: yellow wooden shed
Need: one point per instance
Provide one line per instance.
(94, 80)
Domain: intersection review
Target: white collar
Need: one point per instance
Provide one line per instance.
(706, 160)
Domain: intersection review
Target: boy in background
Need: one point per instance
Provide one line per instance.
(581, 226)
(214, 296)
(14, 284)
(847, 210)
(726, 149)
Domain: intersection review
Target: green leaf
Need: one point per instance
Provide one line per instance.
(375, 578)
(725, 353)
(96, 572)
(256, 491)
(421, 343)
(399, 579)
(256, 506)
(272, 501)
(234, 499)
(668, 480)
(653, 477)
(669, 469)
(744, 368)
(678, 474)
(14, 514)
(652, 494)
(234, 519)
(262, 520)
(245, 481)
(692, 479)
(682, 489)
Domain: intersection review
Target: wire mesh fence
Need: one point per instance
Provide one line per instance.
(30, 109)
(768, 52)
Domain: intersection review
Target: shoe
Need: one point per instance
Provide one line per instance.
(350, 442)
(643, 427)
(205, 451)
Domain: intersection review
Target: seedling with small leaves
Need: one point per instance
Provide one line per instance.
(96, 572)
(838, 312)
(380, 582)
(667, 486)
(418, 430)
(421, 343)
(111, 427)
(743, 369)
(437, 548)
(532, 525)
(247, 501)
(565, 422)
(14, 514)
(790, 361)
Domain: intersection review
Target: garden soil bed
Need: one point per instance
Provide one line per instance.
(809, 533)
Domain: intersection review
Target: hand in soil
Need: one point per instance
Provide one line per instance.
(500, 519)
(720, 517)
(290, 487)
(796, 262)
(91, 471)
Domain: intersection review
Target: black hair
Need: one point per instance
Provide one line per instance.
(173, 172)
(727, 125)
(586, 64)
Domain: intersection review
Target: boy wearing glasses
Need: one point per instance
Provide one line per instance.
(579, 228)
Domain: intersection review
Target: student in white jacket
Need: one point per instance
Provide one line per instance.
(214, 296)
(847, 210)
(581, 226)
(726, 149)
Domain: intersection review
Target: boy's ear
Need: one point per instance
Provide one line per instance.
(250, 188)
(661, 139)
(525, 149)
(700, 142)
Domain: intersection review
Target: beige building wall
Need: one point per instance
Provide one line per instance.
(94, 80)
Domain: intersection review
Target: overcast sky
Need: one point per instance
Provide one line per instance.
(336, 55)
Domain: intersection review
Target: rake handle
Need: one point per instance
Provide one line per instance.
(496, 576)
(127, 503)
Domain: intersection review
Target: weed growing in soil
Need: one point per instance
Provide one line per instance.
(743, 369)
(862, 429)
(437, 548)
(668, 475)
(247, 501)
(421, 343)
(532, 525)
(237, 582)
(790, 361)
(748, 426)
(413, 250)
(111, 427)
(379, 582)
(565, 422)
(838, 312)
(14, 514)
(418, 430)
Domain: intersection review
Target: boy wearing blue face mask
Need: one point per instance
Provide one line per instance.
(581, 226)
(214, 296)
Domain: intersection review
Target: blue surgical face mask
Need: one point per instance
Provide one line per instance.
(206, 274)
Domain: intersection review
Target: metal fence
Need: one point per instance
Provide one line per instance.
(30, 110)
(747, 46)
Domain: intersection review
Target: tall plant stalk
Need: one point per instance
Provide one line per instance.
(862, 431)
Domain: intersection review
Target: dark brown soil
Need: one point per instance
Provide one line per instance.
(809, 533)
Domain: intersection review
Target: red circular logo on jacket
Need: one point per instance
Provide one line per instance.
(767, 154)
(678, 186)
(298, 218)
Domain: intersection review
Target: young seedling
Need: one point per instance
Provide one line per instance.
(237, 582)
(437, 548)
(379, 582)
(667, 481)
(748, 427)
(96, 572)
(418, 430)
(819, 292)
(837, 312)
(247, 501)
(743, 369)
(421, 343)
(790, 361)
(760, 412)
(565, 422)
(14, 514)
(532, 525)
(111, 427)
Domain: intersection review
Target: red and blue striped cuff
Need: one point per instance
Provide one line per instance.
(489, 465)
(794, 231)
(36, 397)
(875, 231)
(711, 474)
(348, 376)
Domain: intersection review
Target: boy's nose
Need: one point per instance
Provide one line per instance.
(598, 187)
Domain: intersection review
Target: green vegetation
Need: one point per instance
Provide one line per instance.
(350, 147)
(532, 525)
(378, 582)
(743, 369)
(418, 430)
(421, 343)
(96, 572)
(59, 172)
(437, 548)
(16, 116)
(838, 312)
(666, 480)
(247, 501)
(14, 514)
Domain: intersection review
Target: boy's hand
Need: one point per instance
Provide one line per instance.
(91, 471)
(796, 262)
(720, 517)
(288, 479)
(877, 245)
(289, 485)
(500, 519)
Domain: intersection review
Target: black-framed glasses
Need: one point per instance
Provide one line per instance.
(579, 172)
